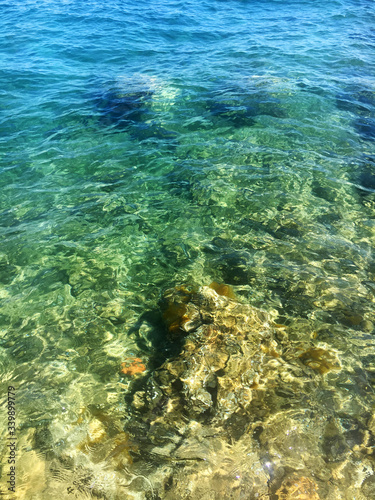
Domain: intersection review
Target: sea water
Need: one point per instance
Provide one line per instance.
(149, 145)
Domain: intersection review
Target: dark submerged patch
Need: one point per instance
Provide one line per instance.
(241, 106)
(123, 109)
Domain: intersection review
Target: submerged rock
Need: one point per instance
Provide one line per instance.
(360, 101)
(121, 109)
(240, 411)
(194, 404)
(127, 105)
(365, 126)
(125, 102)
(298, 488)
(364, 176)
(321, 360)
(240, 408)
(240, 106)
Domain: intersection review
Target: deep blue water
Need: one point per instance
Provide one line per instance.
(148, 144)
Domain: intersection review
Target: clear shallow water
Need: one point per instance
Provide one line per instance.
(147, 146)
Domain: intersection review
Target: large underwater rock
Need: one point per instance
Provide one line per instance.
(127, 105)
(240, 105)
(192, 407)
(125, 101)
(240, 408)
(219, 420)
(365, 180)
(360, 101)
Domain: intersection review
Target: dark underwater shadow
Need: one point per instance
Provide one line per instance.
(364, 177)
(127, 107)
(359, 101)
(240, 106)
(365, 127)
(121, 110)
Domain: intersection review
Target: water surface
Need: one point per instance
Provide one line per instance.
(146, 146)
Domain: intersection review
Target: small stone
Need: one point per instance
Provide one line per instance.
(96, 431)
(298, 488)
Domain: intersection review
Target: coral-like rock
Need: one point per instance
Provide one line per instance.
(131, 367)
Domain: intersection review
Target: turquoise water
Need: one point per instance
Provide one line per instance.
(148, 145)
